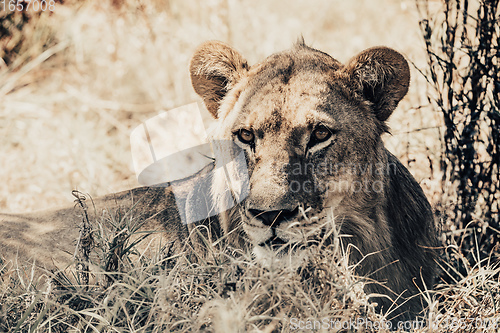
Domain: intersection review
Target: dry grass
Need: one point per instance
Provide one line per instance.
(90, 72)
(222, 291)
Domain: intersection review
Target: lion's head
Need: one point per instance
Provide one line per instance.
(310, 128)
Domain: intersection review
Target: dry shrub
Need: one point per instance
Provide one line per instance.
(462, 43)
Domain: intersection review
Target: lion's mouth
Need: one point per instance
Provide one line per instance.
(275, 243)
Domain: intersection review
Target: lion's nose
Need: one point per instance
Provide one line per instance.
(273, 218)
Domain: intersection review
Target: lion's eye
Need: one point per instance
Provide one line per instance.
(245, 136)
(320, 134)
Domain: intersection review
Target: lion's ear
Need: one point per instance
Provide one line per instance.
(215, 68)
(382, 76)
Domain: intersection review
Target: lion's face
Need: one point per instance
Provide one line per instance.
(310, 129)
(297, 128)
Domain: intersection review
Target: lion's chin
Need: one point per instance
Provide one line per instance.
(284, 256)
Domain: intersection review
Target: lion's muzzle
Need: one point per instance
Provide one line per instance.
(273, 218)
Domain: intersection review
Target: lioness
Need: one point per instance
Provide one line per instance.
(310, 130)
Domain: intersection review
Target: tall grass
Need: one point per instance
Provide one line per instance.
(220, 289)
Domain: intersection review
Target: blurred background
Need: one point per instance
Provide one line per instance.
(76, 80)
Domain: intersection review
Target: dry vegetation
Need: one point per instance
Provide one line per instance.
(76, 81)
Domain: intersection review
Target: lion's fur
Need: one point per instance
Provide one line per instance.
(50, 237)
(388, 221)
(281, 101)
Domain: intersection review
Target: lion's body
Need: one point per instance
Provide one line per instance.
(50, 237)
(310, 131)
